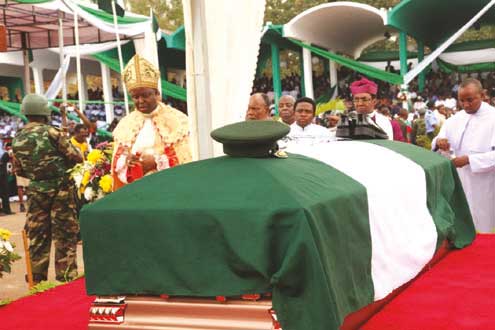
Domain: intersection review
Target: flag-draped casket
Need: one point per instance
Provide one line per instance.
(328, 230)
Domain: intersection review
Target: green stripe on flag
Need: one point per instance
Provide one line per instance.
(445, 197)
(295, 226)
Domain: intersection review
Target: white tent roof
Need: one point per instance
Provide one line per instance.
(344, 27)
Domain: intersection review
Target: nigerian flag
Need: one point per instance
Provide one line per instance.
(328, 230)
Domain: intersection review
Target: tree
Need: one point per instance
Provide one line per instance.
(168, 12)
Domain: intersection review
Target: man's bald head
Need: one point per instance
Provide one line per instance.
(259, 107)
(286, 109)
(470, 95)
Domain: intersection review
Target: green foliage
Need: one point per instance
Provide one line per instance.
(43, 286)
(5, 302)
(6, 260)
(169, 13)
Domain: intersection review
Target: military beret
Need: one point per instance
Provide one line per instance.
(253, 138)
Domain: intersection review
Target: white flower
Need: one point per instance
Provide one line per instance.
(78, 179)
(6, 245)
(89, 193)
(101, 194)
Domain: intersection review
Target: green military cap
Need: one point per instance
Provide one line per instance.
(253, 138)
(35, 105)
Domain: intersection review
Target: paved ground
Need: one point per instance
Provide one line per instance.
(13, 285)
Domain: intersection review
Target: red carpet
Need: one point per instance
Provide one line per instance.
(456, 294)
(62, 308)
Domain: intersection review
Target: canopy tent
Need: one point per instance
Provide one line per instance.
(331, 29)
(330, 26)
(433, 22)
(468, 56)
(37, 21)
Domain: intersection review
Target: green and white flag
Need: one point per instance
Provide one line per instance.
(326, 233)
(404, 237)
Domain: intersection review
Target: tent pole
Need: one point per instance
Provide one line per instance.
(61, 54)
(25, 55)
(301, 80)
(333, 76)
(121, 60)
(403, 52)
(422, 75)
(308, 73)
(277, 83)
(27, 74)
(78, 62)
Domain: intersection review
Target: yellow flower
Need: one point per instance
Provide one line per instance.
(5, 234)
(84, 181)
(95, 155)
(106, 183)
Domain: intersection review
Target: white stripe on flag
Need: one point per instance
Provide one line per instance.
(403, 233)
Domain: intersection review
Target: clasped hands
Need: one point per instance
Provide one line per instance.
(460, 161)
(146, 160)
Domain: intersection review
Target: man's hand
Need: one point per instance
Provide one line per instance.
(460, 161)
(443, 144)
(133, 160)
(148, 162)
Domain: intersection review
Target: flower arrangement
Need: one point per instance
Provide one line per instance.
(92, 177)
(7, 254)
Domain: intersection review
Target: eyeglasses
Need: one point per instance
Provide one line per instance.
(361, 100)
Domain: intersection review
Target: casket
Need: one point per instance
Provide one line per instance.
(316, 236)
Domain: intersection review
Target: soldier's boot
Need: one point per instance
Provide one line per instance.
(66, 264)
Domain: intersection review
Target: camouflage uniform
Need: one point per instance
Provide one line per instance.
(43, 155)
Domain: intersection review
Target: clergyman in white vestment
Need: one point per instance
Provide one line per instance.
(470, 136)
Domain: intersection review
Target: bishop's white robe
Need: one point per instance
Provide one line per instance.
(474, 136)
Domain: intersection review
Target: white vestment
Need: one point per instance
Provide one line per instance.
(311, 134)
(382, 122)
(474, 136)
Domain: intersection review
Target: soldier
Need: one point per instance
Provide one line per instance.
(43, 154)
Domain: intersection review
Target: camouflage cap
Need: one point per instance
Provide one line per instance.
(253, 138)
(35, 105)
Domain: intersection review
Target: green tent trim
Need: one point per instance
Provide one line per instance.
(384, 56)
(32, 1)
(354, 65)
(176, 39)
(471, 45)
(106, 17)
(438, 19)
(110, 58)
(15, 110)
(478, 67)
